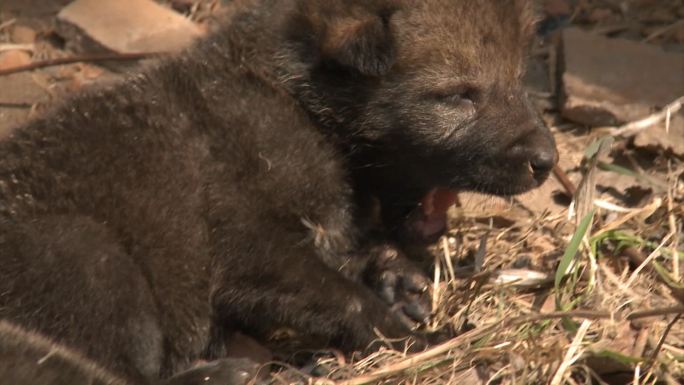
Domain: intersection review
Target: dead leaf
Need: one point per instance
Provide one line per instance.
(521, 278)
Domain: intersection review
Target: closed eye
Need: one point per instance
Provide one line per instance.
(453, 99)
(456, 96)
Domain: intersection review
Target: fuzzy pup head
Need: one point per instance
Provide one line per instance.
(425, 95)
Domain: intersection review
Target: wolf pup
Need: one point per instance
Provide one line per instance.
(223, 189)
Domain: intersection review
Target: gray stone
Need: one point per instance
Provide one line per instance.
(607, 82)
(128, 26)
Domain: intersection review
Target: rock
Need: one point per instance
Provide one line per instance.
(611, 81)
(14, 58)
(128, 26)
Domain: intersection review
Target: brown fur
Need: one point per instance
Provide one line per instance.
(226, 188)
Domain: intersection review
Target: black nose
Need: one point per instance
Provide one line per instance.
(542, 161)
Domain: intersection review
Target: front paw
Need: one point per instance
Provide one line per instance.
(399, 283)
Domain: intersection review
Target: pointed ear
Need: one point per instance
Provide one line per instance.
(356, 34)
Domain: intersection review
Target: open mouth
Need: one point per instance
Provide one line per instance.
(431, 217)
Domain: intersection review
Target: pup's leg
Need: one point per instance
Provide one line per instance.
(398, 281)
(273, 280)
(68, 278)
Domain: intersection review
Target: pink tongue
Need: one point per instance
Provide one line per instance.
(435, 205)
(438, 201)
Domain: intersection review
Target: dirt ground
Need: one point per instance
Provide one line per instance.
(536, 293)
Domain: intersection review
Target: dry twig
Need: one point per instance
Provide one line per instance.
(77, 59)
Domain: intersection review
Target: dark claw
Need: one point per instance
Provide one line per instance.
(415, 282)
(399, 311)
(388, 286)
(417, 310)
(419, 344)
(439, 336)
(401, 284)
